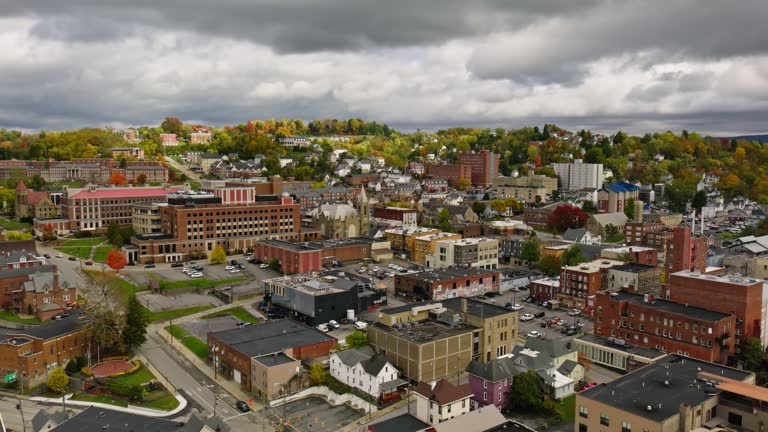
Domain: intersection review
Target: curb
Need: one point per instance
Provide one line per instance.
(149, 412)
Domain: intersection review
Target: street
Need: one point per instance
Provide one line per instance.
(12, 416)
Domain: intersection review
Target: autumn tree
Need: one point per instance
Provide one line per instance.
(57, 381)
(567, 216)
(172, 125)
(48, 233)
(218, 255)
(141, 179)
(116, 260)
(117, 178)
(464, 184)
(318, 376)
(499, 206)
(550, 265)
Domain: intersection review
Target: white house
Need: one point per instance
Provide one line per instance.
(555, 361)
(442, 402)
(362, 369)
(365, 166)
(581, 235)
(285, 161)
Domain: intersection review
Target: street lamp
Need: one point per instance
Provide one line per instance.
(215, 362)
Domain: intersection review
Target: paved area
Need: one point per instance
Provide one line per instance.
(200, 328)
(600, 375)
(313, 414)
(161, 302)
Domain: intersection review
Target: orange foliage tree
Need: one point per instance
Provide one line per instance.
(116, 260)
(117, 178)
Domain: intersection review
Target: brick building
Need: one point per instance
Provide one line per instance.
(128, 152)
(538, 218)
(484, 166)
(403, 240)
(672, 327)
(639, 278)
(450, 172)
(19, 258)
(447, 283)
(545, 289)
(35, 290)
(311, 256)
(38, 350)
(685, 252)
(36, 204)
(169, 139)
(232, 350)
(578, 283)
(613, 198)
(639, 254)
(93, 170)
(636, 233)
(742, 297)
(408, 217)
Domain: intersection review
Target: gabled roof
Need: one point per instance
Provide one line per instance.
(374, 365)
(618, 219)
(444, 392)
(553, 347)
(567, 367)
(622, 187)
(352, 357)
(574, 234)
(496, 370)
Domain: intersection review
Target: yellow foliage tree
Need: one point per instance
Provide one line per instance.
(218, 255)
(57, 381)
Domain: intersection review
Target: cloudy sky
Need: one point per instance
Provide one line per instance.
(635, 65)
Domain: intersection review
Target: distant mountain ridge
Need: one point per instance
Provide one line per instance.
(763, 138)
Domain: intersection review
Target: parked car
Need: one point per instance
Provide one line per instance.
(234, 270)
(242, 406)
(263, 266)
(323, 328)
(526, 317)
(229, 267)
(241, 324)
(571, 332)
(150, 265)
(47, 256)
(539, 314)
(177, 265)
(534, 334)
(58, 255)
(574, 312)
(516, 307)
(196, 275)
(562, 322)
(360, 325)
(72, 259)
(89, 262)
(333, 323)
(554, 320)
(241, 266)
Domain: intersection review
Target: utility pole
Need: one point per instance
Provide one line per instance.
(21, 411)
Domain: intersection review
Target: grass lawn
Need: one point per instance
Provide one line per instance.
(176, 313)
(84, 241)
(237, 312)
(164, 403)
(194, 283)
(567, 409)
(141, 376)
(615, 238)
(100, 254)
(194, 344)
(82, 252)
(10, 316)
(12, 225)
(121, 287)
(99, 399)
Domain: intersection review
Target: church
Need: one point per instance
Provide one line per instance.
(343, 220)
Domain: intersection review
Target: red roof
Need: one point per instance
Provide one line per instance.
(34, 197)
(21, 186)
(124, 193)
(444, 392)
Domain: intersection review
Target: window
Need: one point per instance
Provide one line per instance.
(626, 427)
(583, 412)
(485, 397)
(582, 427)
(605, 420)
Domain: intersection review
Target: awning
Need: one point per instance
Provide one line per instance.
(392, 385)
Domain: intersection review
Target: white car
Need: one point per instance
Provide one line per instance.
(574, 312)
(516, 307)
(526, 317)
(534, 334)
(360, 325)
(263, 266)
(333, 323)
(196, 275)
(229, 267)
(234, 270)
(323, 328)
(392, 266)
(58, 255)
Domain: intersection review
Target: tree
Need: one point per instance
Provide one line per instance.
(172, 125)
(105, 313)
(478, 207)
(530, 251)
(753, 354)
(57, 381)
(113, 230)
(318, 376)
(699, 200)
(136, 392)
(499, 206)
(136, 320)
(274, 264)
(117, 178)
(525, 393)
(444, 220)
(218, 255)
(572, 256)
(116, 260)
(356, 339)
(629, 208)
(567, 216)
(75, 365)
(589, 207)
(611, 230)
(464, 183)
(48, 233)
(141, 179)
(550, 265)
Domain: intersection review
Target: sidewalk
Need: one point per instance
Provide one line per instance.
(149, 412)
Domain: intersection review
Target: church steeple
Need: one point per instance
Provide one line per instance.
(362, 211)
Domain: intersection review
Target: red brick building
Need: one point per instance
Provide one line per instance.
(484, 165)
(447, 283)
(538, 218)
(405, 215)
(664, 325)
(311, 256)
(35, 290)
(450, 172)
(685, 252)
(742, 297)
(579, 282)
(639, 254)
(232, 350)
(18, 259)
(545, 289)
(636, 233)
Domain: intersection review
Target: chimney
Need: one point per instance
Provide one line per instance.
(463, 304)
(638, 209)
(686, 418)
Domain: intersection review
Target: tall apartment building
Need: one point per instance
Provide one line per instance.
(484, 165)
(685, 252)
(742, 297)
(643, 320)
(580, 282)
(452, 173)
(478, 252)
(403, 240)
(194, 223)
(578, 175)
(640, 234)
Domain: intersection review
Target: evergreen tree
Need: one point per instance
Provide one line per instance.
(135, 330)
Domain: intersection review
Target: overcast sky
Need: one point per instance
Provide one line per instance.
(635, 65)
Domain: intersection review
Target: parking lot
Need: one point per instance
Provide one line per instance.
(314, 414)
(200, 328)
(162, 302)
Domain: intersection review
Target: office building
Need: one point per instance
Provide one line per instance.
(484, 166)
(613, 198)
(638, 278)
(580, 282)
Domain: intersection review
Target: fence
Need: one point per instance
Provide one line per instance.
(331, 397)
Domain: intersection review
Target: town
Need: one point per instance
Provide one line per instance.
(340, 275)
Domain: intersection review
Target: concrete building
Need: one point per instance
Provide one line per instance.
(526, 188)
(402, 240)
(232, 351)
(145, 218)
(363, 369)
(425, 245)
(200, 137)
(442, 402)
(643, 320)
(639, 278)
(580, 282)
(274, 375)
(675, 394)
(447, 283)
(339, 221)
(613, 198)
(615, 353)
(578, 175)
(742, 297)
(598, 223)
(477, 252)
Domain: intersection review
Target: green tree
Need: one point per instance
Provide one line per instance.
(274, 264)
(218, 255)
(444, 220)
(136, 320)
(356, 339)
(464, 183)
(318, 376)
(499, 206)
(572, 256)
(526, 392)
(629, 208)
(589, 207)
(113, 231)
(478, 207)
(699, 200)
(172, 125)
(57, 381)
(611, 230)
(530, 251)
(550, 265)
(136, 392)
(753, 354)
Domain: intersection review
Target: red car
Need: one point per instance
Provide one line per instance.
(554, 320)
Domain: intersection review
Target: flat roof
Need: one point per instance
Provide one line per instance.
(271, 336)
(635, 268)
(663, 386)
(426, 331)
(475, 308)
(594, 265)
(625, 249)
(447, 274)
(52, 329)
(669, 306)
(274, 359)
(594, 339)
(296, 247)
(401, 423)
(737, 280)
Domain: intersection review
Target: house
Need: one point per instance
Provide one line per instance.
(363, 369)
(458, 213)
(581, 235)
(555, 361)
(35, 290)
(597, 223)
(285, 161)
(442, 402)
(491, 381)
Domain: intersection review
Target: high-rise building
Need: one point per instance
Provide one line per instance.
(578, 175)
(484, 164)
(685, 252)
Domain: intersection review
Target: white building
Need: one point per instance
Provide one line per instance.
(362, 369)
(476, 252)
(578, 175)
(442, 402)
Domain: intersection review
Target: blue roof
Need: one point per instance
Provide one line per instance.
(622, 187)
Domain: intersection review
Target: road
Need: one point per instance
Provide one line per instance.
(205, 393)
(69, 271)
(188, 172)
(12, 417)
